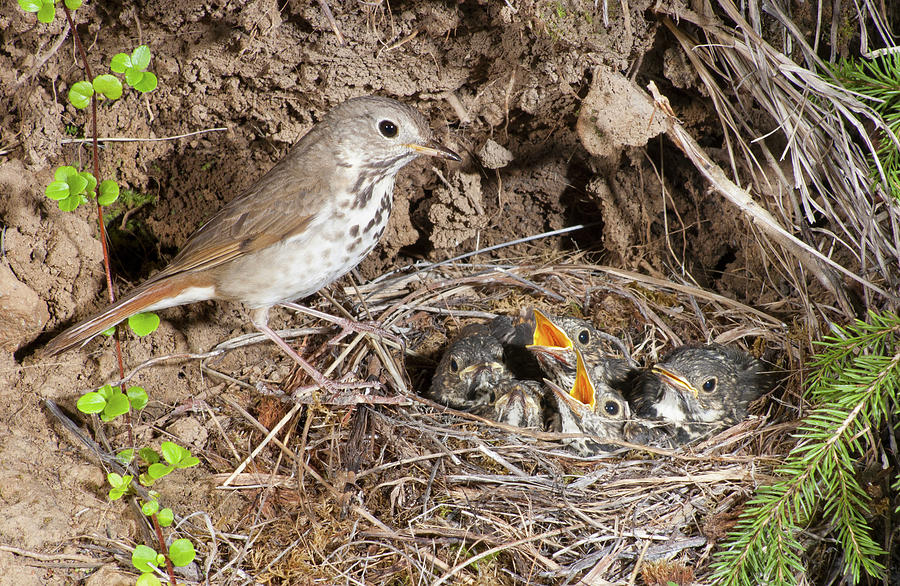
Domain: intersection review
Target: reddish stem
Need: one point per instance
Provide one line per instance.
(162, 543)
(95, 152)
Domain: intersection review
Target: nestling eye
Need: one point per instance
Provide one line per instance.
(584, 336)
(612, 408)
(387, 129)
(710, 385)
(454, 365)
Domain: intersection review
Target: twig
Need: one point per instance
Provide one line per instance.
(135, 139)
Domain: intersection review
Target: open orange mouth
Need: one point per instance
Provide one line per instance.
(547, 334)
(583, 389)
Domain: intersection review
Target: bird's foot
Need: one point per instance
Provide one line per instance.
(348, 325)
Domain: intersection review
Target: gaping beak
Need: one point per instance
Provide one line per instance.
(435, 149)
(667, 376)
(583, 389)
(575, 406)
(547, 334)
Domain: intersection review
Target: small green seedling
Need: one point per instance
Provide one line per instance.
(134, 67)
(46, 9)
(121, 485)
(175, 456)
(70, 188)
(110, 403)
(106, 85)
(145, 559)
(143, 323)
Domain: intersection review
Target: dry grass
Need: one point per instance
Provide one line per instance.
(808, 161)
(382, 486)
(382, 493)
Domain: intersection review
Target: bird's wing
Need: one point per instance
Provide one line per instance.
(277, 207)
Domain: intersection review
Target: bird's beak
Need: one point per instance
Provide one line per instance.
(547, 334)
(575, 406)
(434, 149)
(675, 380)
(583, 389)
(483, 372)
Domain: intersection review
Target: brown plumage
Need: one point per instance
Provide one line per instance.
(302, 225)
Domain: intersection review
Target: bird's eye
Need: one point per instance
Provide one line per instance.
(710, 385)
(584, 336)
(612, 408)
(454, 365)
(387, 129)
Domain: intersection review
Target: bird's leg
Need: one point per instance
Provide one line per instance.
(346, 325)
(260, 319)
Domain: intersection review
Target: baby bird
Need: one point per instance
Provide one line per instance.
(472, 376)
(697, 389)
(470, 370)
(517, 403)
(591, 408)
(554, 344)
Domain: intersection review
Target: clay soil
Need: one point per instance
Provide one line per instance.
(501, 85)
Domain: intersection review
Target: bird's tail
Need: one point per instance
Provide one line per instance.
(142, 298)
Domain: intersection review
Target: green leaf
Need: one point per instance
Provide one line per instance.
(71, 203)
(181, 552)
(117, 405)
(188, 462)
(29, 5)
(150, 507)
(106, 391)
(137, 396)
(143, 323)
(172, 452)
(47, 12)
(77, 183)
(148, 455)
(157, 471)
(147, 579)
(109, 86)
(62, 173)
(120, 63)
(114, 480)
(140, 57)
(147, 83)
(91, 182)
(120, 485)
(165, 517)
(73, 4)
(108, 332)
(142, 557)
(80, 94)
(109, 192)
(146, 480)
(57, 190)
(91, 403)
(125, 457)
(133, 76)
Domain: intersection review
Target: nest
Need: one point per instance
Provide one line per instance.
(395, 488)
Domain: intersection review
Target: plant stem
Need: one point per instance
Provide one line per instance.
(162, 544)
(95, 156)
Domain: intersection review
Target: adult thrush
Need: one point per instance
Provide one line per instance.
(301, 226)
(555, 341)
(697, 389)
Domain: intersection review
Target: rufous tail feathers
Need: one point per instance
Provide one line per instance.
(137, 301)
